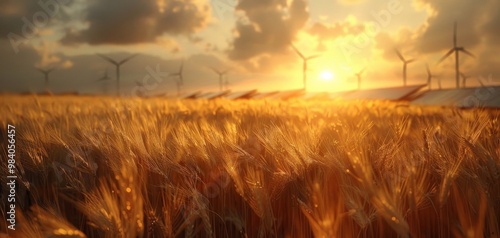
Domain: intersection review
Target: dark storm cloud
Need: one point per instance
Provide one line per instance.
(11, 12)
(333, 31)
(21, 20)
(132, 21)
(270, 27)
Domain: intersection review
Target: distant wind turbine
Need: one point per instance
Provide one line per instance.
(105, 76)
(304, 64)
(431, 76)
(464, 79)
(480, 82)
(405, 64)
(104, 80)
(117, 64)
(179, 78)
(221, 76)
(358, 75)
(456, 49)
(46, 73)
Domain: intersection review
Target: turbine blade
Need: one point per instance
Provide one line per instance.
(361, 71)
(298, 52)
(468, 52)
(399, 54)
(455, 35)
(312, 57)
(127, 59)
(215, 70)
(108, 59)
(410, 61)
(446, 55)
(480, 82)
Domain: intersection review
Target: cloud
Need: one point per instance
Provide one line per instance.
(12, 13)
(478, 24)
(268, 27)
(131, 21)
(351, 2)
(476, 20)
(332, 31)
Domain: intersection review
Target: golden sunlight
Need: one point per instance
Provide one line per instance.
(327, 75)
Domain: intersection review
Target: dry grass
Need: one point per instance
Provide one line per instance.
(150, 168)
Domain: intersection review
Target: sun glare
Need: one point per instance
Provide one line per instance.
(327, 75)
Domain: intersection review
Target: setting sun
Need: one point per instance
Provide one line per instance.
(326, 75)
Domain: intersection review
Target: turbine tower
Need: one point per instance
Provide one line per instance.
(117, 64)
(221, 76)
(179, 78)
(405, 64)
(456, 49)
(358, 75)
(46, 73)
(304, 64)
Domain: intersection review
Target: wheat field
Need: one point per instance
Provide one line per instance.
(107, 167)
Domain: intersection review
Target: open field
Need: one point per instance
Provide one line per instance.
(103, 167)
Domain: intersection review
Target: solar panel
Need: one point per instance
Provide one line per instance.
(481, 97)
(241, 95)
(190, 95)
(464, 97)
(315, 96)
(213, 95)
(264, 95)
(285, 95)
(338, 95)
(394, 94)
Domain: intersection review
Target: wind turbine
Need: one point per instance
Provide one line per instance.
(430, 76)
(179, 80)
(480, 82)
(105, 76)
(104, 80)
(221, 76)
(405, 64)
(464, 79)
(117, 64)
(304, 64)
(358, 75)
(46, 73)
(456, 49)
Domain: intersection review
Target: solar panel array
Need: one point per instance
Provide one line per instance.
(241, 95)
(488, 96)
(392, 94)
(213, 95)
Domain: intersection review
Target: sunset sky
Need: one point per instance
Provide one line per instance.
(252, 37)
